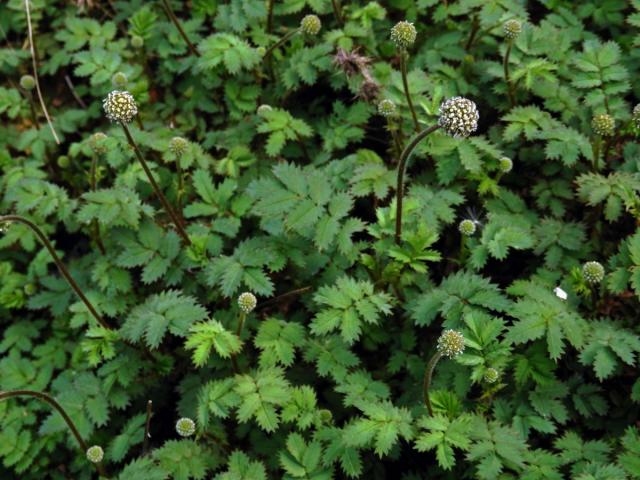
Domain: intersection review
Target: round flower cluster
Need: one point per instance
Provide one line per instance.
(451, 343)
(27, 82)
(185, 427)
(95, 454)
(386, 108)
(137, 41)
(310, 25)
(593, 272)
(459, 117)
(403, 34)
(467, 227)
(603, 124)
(491, 375)
(263, 109)
(119, 80)
(96, 142)
(120, 106)
(512, 29)
(247, 302)
(505, 164)
(178, 145)
(635, 116)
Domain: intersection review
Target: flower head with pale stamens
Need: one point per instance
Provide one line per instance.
(120, 106)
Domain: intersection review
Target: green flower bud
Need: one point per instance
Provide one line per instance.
(95, 454)
(120, 106)
(29, 289)
(451, 343)
(491, 375)
(247, 302)
(403, 34)
(178, 146)
(28, 82)
(119, 80)
(137, 41)
(603, 124)
(387, 108)
(593, 272)
(185, 427)
(512, 29)
(63, 161)
(97, 143)
(459, 117)
(467, 227)
(262, 109)
(310, 25)
(325, 416)
(505, 164)
(261, 51)
(635, 116)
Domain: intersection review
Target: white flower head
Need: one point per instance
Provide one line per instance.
(459, 117)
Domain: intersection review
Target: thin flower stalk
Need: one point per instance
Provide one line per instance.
(427, 380)
(507, 79)
(61, 266)
(56, 406)
(404, 57)
(176, 22)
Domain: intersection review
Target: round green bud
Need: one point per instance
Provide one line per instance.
(325, 416)
(178, 146)
(185, 427)
(512, 29)
(262, 109)
(310, 25)
(387, 108)
(120, 106)
(28, 82)
(247, 302)
(635, 116)
(97, 143)
(491, 375)
(137, 41)
(603, 124)
(119, 80)
(29, 289)
(505, 164)
(261, 51)
(593, 272)
(95, 454)
(63, 161)
(403, 34)
(458, 117)
(451, 343)
(467, 227)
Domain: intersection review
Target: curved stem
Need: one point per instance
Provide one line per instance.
(475, 26)
(176, 22)
(63, 270)
(34, 115)
(53, 403)
(243, 316)
(403, 70)
(147, 426)
(280, 42)
(505, 65)
(156, 187)
(94, 184)
(427, 380)
(401, 168)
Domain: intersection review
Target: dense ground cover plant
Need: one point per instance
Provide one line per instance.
(319, 239)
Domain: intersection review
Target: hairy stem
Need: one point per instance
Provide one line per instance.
(270, 5)
(35, 72)
(147, 427)
(280, 42)
(403, 70)
(505, 64)
(475, 27)
(63, 269)
(156, 187)
(55, 405)
(32, 107)
(337, 11)
(401, 169)
(176, 22)
(428, 374)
